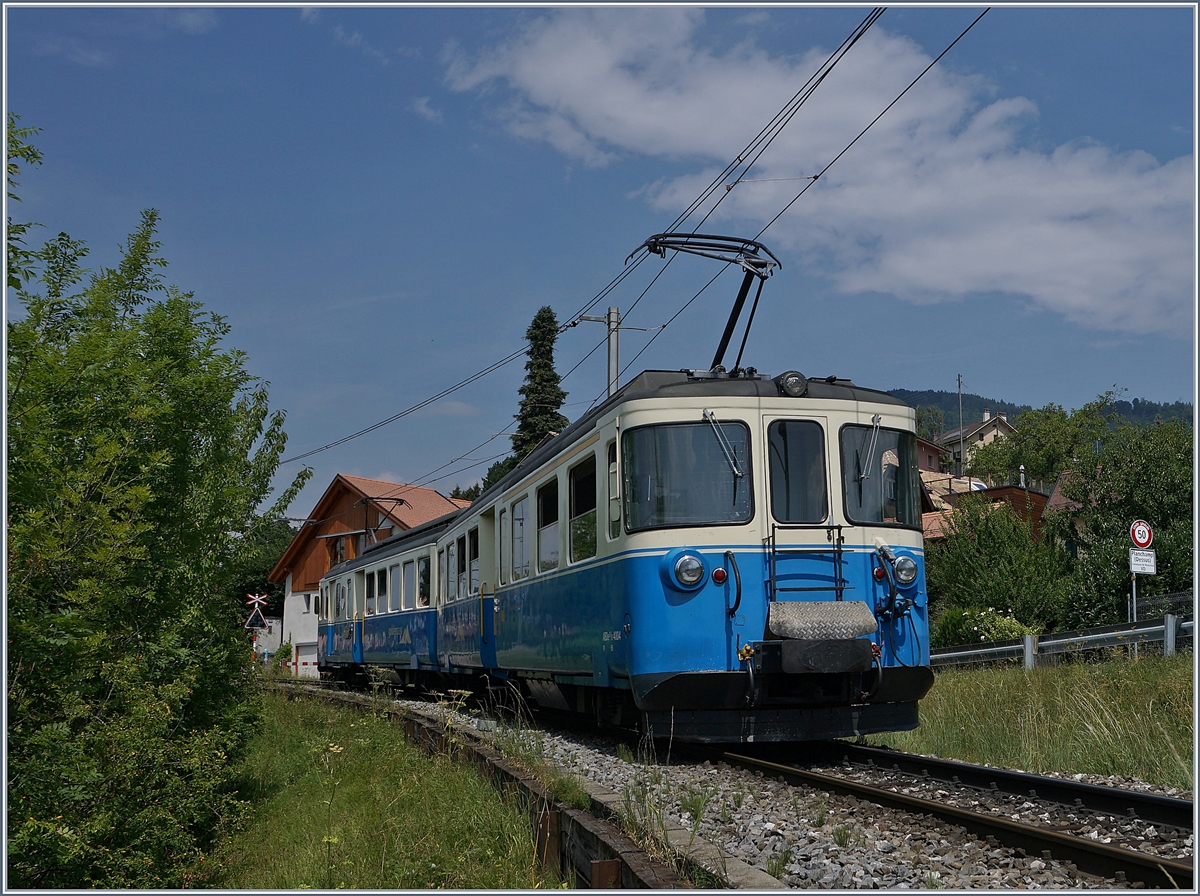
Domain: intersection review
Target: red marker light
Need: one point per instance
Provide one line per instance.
(719, 575)
(879, 574)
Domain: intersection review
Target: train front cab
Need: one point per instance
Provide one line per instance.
(774, 571)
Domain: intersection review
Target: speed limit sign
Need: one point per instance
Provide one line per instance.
(1142, 534)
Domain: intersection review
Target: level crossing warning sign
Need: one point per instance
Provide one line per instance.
(256, 621)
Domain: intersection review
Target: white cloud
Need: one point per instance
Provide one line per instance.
(421, 107)
(938, 201)
(74, 50)
(358, 42)
(310, 13)
(189, 21)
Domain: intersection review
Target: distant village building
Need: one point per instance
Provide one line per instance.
(972, 436)
(353, 513)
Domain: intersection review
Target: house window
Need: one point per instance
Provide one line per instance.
(308, 603)
(583, 510)
(547, 510)
(337, 551)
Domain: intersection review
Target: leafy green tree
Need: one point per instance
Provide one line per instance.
(990, 560)
(470, 493)
(20, 260)
(1047, 441)
(139, 450)
(1143, 472)
(931, 422)
(256, 556)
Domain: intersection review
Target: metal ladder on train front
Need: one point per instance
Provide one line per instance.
(833, 533)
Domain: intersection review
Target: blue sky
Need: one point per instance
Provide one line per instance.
(378, 199)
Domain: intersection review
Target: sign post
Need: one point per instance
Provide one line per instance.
(1141, 560)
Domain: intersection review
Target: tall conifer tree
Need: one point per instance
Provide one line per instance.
(538, 414)
(542, 395)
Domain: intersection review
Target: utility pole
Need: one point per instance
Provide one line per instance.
(613, 320)
(962, 460)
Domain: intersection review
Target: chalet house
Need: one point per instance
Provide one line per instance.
(928, 455)
(353, 513)
(974, 435)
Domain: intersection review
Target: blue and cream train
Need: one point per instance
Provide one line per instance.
(708, 556)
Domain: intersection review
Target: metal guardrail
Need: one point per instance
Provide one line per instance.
(1166, 631)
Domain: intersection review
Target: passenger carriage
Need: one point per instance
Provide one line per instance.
(714, 557)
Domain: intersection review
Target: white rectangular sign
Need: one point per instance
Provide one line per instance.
(1142, 563)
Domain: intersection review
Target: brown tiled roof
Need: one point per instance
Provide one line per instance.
(419, 504)
(405, 506)
(1058, 500)
(933, 525)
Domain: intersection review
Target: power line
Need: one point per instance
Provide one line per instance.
(875, 119)
(812, 180)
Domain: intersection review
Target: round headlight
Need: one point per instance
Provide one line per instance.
(906, 570)
(792, 383)
(689, 569)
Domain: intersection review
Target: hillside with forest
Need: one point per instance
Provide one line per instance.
(1138, 411)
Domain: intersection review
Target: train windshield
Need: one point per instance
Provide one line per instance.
(687, 474)
(879, 474)
(796, 449)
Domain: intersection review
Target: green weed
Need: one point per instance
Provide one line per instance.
(1130, 717)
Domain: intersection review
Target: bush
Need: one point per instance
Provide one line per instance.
(956, 627)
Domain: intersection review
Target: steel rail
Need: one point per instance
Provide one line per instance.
(1087, 855)
(1152, 807)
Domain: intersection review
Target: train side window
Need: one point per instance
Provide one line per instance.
(371, 593)
(583, 510)
(451, 570)
(547, 525)
(614, 493)
(520, 544)
(395, 596)
(352, 605)
(410, 585)
(473, 561)
(422, 581)
(442, 576)
(505, 547)
(462, 566)
(381, 589)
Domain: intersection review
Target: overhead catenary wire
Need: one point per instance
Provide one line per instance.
(811, 180)
(748, 157)
(754, 150)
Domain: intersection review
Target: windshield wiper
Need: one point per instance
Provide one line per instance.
(726, 447)
(866, 474)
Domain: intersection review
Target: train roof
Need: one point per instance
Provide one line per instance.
(686, 384)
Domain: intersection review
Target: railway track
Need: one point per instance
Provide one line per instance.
(1091, 856)
(1060, 824)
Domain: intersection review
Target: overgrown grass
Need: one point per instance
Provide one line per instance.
(1130, 717)
(343, 801)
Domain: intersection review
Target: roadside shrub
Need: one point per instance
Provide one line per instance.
(974, 625)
